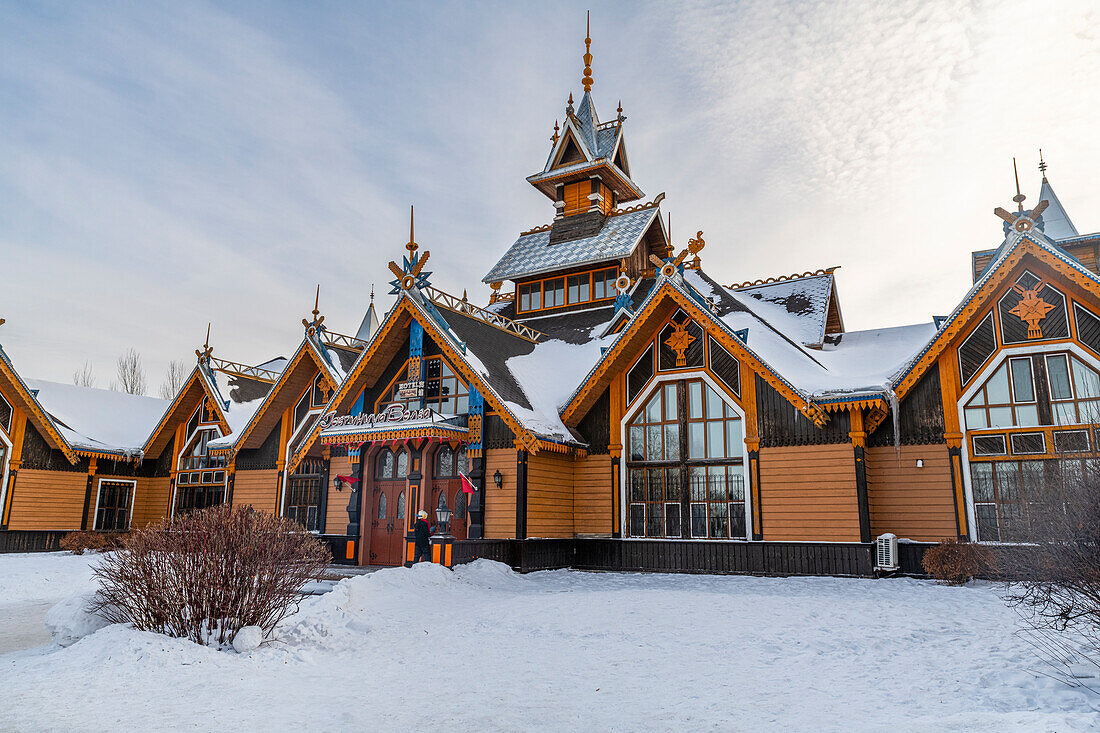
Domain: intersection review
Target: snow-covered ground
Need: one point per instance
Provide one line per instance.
(29, 586)
(484, 648)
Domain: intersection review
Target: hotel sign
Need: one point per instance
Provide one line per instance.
(394, 414)
(410, 390)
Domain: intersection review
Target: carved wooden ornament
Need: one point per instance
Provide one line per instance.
(1031, 309)
(679, 341)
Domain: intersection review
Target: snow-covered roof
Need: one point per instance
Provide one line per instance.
(799, 307)
(99, 419)
(533, 254)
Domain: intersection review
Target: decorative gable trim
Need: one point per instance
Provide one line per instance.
(223, 424)
(41, 420)
(600, 375)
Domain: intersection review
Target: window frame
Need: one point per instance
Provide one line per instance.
(99, 498)
(538, 288)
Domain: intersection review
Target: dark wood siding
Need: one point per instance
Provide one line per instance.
(921, 416)
(595, 426)
(264, 457)
(781, 424)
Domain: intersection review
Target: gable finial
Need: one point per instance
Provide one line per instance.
(204, 353)
(554, 139)
(372, 293)
(587, 80)
(412, 245)
(1019, 197)
(620, 111)
(1042, 165)
(317, 324)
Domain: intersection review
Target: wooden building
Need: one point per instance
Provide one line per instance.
(615, 406)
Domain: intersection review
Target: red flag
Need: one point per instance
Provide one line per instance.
(347, 479)
(467, 485)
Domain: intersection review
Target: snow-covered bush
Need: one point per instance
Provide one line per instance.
(954, 563)
(206, 575)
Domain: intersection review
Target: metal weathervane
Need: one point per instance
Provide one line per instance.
(410, 273)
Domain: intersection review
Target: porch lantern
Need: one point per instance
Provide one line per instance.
(443, 518)
(498, 479)
(337, 483)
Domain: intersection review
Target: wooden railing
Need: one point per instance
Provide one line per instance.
(459, 305)
(236, 369)
(331, 338)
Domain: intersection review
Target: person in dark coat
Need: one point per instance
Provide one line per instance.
(422, 533)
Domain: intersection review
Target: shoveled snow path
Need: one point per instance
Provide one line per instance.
(30, 584)
(484, 648)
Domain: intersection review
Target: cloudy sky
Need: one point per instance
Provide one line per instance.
(166, 165)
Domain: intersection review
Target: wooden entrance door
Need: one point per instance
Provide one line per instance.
(387, 534)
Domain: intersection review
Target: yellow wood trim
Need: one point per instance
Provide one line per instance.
(857, 434)
(460, 368)
(31, 407)
(222, 423)
(573, 413)
(981, 303)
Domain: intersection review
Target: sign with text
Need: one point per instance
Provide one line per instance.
(392, 415)
(410, 390)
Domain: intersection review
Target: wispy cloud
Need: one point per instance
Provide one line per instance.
(164, 165)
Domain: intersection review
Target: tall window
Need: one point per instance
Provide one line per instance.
(389, 466)
(1008, 493)
(196, 454)
(303, 502)
(685, 465)
(449, 463)
(113, 506)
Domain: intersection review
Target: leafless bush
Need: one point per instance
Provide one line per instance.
(206, 575)
(131, 374)
(954, 563)
(1054, 577)
(173, 379)
(80, 542)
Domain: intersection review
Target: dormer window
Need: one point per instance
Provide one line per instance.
(584, 287)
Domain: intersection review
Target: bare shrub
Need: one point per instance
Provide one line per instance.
(954, 563)
(204, 576)
(80, 542)
(1054, 576)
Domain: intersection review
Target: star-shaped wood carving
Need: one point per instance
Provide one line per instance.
(1031, 309)
(679, 341)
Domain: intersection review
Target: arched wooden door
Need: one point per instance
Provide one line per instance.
(388, 506)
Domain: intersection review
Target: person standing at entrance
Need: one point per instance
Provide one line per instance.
(422, 533)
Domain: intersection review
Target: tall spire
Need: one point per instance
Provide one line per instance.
(587, 80)
(411, 245)
(1042, 165)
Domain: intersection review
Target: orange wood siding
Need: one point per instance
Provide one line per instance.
(576, 197)
(592, 495)
(808, 493)
(500, 504)
(256, 489)
(151, 501)
(549, 495)
(48, 499)
(911, 502)
(336, 514)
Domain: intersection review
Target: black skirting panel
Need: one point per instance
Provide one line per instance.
(20, 540)
(676, 556)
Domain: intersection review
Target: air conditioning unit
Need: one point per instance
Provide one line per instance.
(886, 552)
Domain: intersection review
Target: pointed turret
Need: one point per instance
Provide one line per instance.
(1056, 222)
(370, 321)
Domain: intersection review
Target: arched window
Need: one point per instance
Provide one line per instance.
(685, 465)
(460, 505)
(444, 461)
(402, 465)
(442, 503)
(384, 464)
(401, 505)
(382, 506)
(460, 461)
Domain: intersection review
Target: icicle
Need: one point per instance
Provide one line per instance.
(892, 398)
